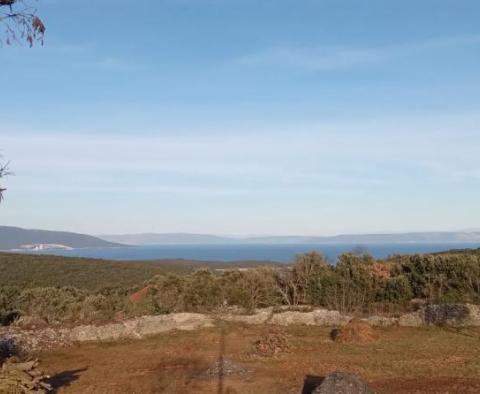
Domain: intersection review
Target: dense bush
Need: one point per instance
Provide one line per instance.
(442, 277)
(357, 283)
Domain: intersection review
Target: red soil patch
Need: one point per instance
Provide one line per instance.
(140, 295)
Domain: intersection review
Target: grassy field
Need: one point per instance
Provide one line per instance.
(427, 360)
(29, 271)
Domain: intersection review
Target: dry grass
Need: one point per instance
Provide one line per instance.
(427, 360)
(356, 331)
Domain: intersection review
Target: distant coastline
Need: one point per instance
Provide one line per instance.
(248, 252)
(153, 246)
(207, 239)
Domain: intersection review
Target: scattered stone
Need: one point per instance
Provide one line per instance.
(272, 344)
(343, 383)
(226, 367)
(26, 341)
(23, 378)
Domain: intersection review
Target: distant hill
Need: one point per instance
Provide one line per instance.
(360, 239)
(426, 237)
(167, 239)
(16, 238)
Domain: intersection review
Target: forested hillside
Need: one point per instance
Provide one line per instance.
(15, 237)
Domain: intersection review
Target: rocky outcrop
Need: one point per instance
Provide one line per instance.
(344, 383)
(261, 316)
(453, 315)
(317, 317)
(414, 319)
(140, 327)
(382, 321)
(457, 315)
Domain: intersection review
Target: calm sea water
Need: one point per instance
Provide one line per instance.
(280, 253)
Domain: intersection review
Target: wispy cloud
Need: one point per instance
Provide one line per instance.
(84, 55)
(318, 58)
(381, 171)
(369, 153)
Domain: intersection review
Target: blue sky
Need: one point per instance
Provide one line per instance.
(245, 117)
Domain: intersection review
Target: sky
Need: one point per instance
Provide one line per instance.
(242, 117)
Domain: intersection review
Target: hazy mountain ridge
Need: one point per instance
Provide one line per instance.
(16, 238)
(167, 238)
(194, 239)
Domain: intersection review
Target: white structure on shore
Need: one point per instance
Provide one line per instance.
(40, 247)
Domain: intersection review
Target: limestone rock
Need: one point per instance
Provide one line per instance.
(456, 315)
(414, 319)
(343, 383)
(380, 321)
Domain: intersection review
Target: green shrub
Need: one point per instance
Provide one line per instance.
(202, 291)
(51, 304)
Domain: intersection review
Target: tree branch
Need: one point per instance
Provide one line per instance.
(20, 22)
(4, 171)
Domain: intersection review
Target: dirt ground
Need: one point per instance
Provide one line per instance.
(425, 360)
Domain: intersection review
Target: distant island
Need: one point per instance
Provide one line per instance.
(19, 239)
(15, 238)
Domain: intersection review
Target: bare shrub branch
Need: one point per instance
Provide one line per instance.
(4, 171)
(20, 22)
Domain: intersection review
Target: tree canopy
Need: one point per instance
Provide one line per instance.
(19, 20)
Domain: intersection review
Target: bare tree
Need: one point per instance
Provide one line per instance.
(3, 173)
(20, 21)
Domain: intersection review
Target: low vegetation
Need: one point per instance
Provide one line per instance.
(59, 290)
(30, 271)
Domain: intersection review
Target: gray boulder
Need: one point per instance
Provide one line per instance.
(457, 315)
(343, 383)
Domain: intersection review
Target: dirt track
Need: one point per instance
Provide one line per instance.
(403, 360)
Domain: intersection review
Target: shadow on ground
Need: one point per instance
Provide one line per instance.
(310, 383)
(65, 378)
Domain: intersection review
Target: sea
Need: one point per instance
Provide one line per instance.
(248, 252)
